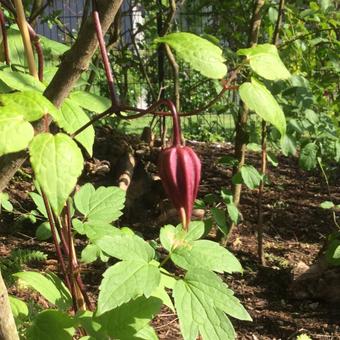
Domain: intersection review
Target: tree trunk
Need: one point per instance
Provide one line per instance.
(8, 330)
(241, 138)
(74, 63)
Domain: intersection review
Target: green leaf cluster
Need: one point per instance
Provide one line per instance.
(98, 208)
(201, 297)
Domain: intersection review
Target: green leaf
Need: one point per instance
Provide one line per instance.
(21, 81)
(207, 255)
(82, 198)
(90, 253)
(31, 104)
(254, 147)
(233, 212)
(90, 101)
(78, 226)
(327, 205)
(15, 133)
(52, 49)
(303, 337)
(57, 162)
(147, 333)
(104, 204)
(196, 317)
(71, 118)
(201, 54)
(333, 252)
(49, 286)
(166, 279)
(168, 237)
(250, 176)
(125, 281)
(125, 321)
(19, 307)
(88, 321)
(220, 219)
(265, 61)
(308, 160)
(325, 4)
(172, 237)
(288, 145)
(49, 73)
(39, 202)
(16, 46)
(210, 287)
(161, 293)
(95, 230)
(271, 157)
(200, 300)
(257, 97)
(5, 203)
(43, 232)
(273, 14)
(126, 247)
(195, 232)
(53, 325)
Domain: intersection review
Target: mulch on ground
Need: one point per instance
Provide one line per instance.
(294, 229)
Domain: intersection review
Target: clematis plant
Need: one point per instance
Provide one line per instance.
(180, 171)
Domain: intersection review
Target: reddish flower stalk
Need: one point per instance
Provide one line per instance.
(4, 37)
(38, 48)
(180, 171)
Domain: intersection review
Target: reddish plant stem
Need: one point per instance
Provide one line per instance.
(33, 35)
(176, 120)
(61, 234)
(74, 266)
(104, 55)
(70, 259)
(115, 108)
(4, 37)
(152, 109)
(55, 240)
(56, 230)
(38, 49)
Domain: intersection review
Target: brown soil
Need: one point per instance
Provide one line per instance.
(294, 225)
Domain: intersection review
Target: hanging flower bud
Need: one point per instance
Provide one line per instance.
(180, 171)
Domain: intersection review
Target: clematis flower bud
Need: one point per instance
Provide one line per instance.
(180, 172)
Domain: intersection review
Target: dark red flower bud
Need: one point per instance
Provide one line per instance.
(180, 171)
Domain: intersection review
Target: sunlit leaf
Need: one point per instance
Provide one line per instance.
(49, 286)
(15, 132)
(259, 99)
(265, 61)
(125, 281)
(57, 163)
(71, 118)
(201, 54)
(32, 105)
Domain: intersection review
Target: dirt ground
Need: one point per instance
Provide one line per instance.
(294, 228)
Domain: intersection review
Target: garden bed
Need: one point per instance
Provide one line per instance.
(295, 227)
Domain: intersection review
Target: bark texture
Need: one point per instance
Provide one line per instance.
(241, 138)
(8, 330)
